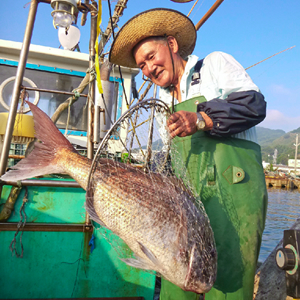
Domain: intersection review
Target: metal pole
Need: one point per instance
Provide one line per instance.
(296, 153)
(150, 138)
(91, 98)
(50, 91)
(17, 85)
(208, 14)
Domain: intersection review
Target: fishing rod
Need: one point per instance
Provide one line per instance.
(270, 57)
(208, 14)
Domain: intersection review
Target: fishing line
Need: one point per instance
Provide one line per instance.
(77, 271)
(267, 69)
(20, 226)
(72, 263)
(196, 10)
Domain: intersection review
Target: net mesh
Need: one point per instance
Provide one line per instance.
(138, 188)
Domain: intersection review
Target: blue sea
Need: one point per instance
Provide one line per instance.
(283, 210)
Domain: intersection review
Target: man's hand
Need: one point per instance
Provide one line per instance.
(183, 123)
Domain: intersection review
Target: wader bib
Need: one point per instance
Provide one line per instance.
(227, 174)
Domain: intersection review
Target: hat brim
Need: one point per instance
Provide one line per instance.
(153, 22)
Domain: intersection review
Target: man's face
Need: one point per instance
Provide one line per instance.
(153, 58)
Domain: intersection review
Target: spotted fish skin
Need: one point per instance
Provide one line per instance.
(154, 214)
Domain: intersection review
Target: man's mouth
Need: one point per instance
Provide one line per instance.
(156, 75)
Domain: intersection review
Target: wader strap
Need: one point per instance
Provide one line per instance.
(196, 75)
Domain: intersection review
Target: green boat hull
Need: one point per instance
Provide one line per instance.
(57, 259)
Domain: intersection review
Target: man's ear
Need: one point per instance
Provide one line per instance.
(173, 43)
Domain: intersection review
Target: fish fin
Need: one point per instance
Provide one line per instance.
(90, 208)
(136, 263)
(139, 262)
(149, 254)
(41, 160)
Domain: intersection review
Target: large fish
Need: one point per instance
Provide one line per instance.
(152, 213)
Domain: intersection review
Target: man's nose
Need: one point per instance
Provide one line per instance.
(150, 67)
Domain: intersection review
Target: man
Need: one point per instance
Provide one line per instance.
(216, 107)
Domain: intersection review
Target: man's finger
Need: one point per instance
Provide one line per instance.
(173, 118)
(173, 126)
(176, 132)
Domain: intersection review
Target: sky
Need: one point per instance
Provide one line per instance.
(250, 30)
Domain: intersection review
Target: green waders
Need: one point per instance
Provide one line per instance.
(228, 175)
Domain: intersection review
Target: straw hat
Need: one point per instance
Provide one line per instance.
(182, 1)
(153, 22)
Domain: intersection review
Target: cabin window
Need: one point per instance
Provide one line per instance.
(49, 102)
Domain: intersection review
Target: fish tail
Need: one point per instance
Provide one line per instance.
(43, 158)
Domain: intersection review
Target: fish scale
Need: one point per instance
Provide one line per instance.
(143, 227)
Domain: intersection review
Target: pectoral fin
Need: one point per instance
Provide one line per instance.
(142, 263)
(149, 254)
(137, 263)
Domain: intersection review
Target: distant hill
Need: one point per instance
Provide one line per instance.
(157, 145)
(266, 136)
(270, 140)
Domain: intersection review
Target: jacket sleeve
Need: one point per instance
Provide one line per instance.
(238, 112)
(237, 104)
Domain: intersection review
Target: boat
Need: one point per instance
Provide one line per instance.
(281, 180)
(49, 246)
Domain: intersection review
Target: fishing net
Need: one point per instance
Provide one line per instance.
(138, 189)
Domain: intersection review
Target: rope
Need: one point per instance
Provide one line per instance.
(92, 72)
(90, 75)
(76, 94)
(24, 96)
(20, 227)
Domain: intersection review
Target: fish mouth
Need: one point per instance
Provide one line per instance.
(197, 288)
